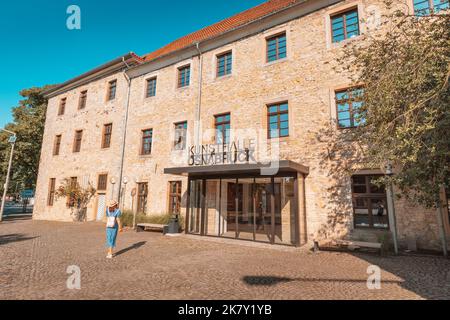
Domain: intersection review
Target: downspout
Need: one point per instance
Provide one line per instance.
(125, 129)
(199, 100)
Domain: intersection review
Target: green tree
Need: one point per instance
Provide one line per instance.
(28, 123)
(405, 72)
(77, 197)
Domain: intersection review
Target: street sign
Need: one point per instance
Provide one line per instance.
(27, 194)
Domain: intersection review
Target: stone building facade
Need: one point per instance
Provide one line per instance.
(158, 100)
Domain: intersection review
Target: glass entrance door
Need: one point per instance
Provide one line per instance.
(195, 206)
(258, 209)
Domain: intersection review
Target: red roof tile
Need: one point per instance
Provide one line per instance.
(222, 26)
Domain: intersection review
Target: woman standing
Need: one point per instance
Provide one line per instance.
(113, 225)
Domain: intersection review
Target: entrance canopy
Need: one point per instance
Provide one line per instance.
(276, 168)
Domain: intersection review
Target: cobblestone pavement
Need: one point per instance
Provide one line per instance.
(34, 257)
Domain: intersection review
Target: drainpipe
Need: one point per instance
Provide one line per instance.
(199, 101)
(125, 128)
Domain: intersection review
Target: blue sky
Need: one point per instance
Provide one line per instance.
(37, 48)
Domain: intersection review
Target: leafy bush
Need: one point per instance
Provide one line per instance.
(127, 218)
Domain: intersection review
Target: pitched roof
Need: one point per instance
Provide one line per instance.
(223, 26)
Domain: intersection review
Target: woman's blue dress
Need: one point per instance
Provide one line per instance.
(111, 233)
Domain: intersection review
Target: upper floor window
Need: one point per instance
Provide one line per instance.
(147, 139)
(348, 103)
(102, 182)
(184, 76)
(107, 133)
(62, 107)
(112, 87)
(276, 47)
(151, 87)
(77, 141)
(278, 120)
(51, 192)
(223, 127)
(82, 101)
(345, 25)
(57, 145)
(425, 7)
(180, 135)
(224, 64)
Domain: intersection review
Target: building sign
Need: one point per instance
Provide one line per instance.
(217, 154)
(26, 194)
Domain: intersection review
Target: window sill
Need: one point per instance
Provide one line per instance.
(281, 139)
(225, 77)
(145, 156)
(183, 88)
(267, 64)
(340, 44)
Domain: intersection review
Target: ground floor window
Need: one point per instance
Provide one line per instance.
(248, 208)
(174, 197)
(71, 202)
(369, 203)
(51, 192)
(142, 196)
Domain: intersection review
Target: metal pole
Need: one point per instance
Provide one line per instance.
(440, 216)
(5, 189)
(391, 210)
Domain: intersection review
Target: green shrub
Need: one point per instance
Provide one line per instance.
(127, 218)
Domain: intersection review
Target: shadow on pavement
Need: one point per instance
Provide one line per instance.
(9, 238)
(271, 281)
(426, 276)
(133, 247)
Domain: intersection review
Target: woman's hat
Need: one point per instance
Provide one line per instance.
(113, 203)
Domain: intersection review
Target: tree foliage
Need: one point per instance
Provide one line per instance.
(405, 72)
(28, 124)
(78, 197)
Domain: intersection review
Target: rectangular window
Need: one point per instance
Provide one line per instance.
(102, 182)
(184, 75)
(51, 192)
(142, 194)
(83, 99)
(73, 187)
(62, 107)
(147, 139)
(426, 7)
(180, 135)
(369, 203)
(276, 47)
(278, 120)
(175, 197)
(345, 25)
(223, 127)
(77, 141)
(151, 87)
(112, 87)
(224, 64)
(57, 145)
(107, 133)
(348, 103)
